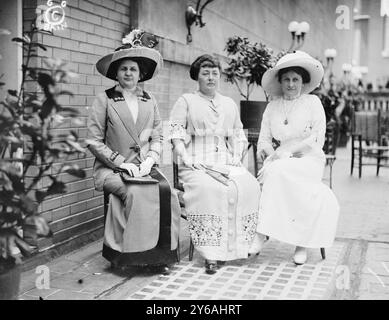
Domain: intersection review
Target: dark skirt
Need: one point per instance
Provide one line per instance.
(141, 223)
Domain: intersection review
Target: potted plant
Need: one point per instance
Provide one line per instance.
(29, 153)
(246, 65)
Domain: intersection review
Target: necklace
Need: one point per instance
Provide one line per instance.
(287, 112)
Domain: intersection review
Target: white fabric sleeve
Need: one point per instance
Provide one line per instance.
(318, 125)
(178, 120)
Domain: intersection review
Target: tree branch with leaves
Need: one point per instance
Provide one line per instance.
(26, 123)
(248, 62)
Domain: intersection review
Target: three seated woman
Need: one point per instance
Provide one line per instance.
(229, 216)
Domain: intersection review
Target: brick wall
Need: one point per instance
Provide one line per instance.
(94, 28)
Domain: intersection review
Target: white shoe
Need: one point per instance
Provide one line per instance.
(257, 244)
(300, 255)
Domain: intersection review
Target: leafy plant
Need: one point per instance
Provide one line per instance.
(247, 62)
(31, 152)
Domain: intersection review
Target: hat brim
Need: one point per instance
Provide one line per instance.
(149, 60)
(315, 69)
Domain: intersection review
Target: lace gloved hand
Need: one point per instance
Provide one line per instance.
(145, 166)
(132, 169)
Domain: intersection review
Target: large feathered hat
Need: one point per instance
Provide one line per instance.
(138, 46)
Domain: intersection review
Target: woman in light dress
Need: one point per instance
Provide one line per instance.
(295, 206)
(221, 197)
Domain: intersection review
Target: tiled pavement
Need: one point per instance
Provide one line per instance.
(272, 275)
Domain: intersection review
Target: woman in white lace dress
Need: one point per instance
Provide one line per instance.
(295, 206)
(221, 197)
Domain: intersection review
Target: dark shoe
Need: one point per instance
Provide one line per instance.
(162, 269)
(220, 263)
(165, 270)
(115, 265)
(211, 267)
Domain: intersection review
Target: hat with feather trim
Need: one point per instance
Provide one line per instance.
(137, 46)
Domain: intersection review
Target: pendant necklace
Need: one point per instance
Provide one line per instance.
(284, 109)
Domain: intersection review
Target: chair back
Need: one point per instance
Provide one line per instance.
(176, 183)
(367, 124)
(331, 138)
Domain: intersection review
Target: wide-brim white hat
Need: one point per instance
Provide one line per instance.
(149, 60)
(301, 59)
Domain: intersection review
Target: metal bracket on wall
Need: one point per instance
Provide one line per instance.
(194, 16)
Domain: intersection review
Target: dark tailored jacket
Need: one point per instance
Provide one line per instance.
(110, 125)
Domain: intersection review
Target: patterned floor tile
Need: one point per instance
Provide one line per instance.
(272, 275)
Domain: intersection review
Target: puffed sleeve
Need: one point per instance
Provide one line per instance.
(96, 134)
(265, 135)
(317, 126)
(178, 120)
(155, 148)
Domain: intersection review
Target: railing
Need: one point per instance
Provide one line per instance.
(373, 101)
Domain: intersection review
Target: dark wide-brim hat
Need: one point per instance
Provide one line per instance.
(149, 60)
(301, 59)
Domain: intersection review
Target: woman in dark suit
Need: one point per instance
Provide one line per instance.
(125, 134)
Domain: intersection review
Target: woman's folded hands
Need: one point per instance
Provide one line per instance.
(145, 166)
(132, 169)
(139, 171)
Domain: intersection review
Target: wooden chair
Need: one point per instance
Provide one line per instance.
(368, 140)
(180, 191)
(331, 141)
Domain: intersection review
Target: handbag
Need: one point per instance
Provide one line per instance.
(127, 178)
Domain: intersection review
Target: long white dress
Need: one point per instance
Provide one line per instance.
(296, 207)
(222, 218)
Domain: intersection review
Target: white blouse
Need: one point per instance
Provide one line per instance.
(294, 121)
(198, 120)
(132, 103)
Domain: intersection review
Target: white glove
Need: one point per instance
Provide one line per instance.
(131, 168)
(145, 166)
(186, 160)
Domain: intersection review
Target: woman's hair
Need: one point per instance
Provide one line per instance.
(205, 60)
(114, 67)
(299, 70)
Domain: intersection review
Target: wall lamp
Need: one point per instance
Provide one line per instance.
(330, 55)
(298, 32)
(195, 16)
(347, 67)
